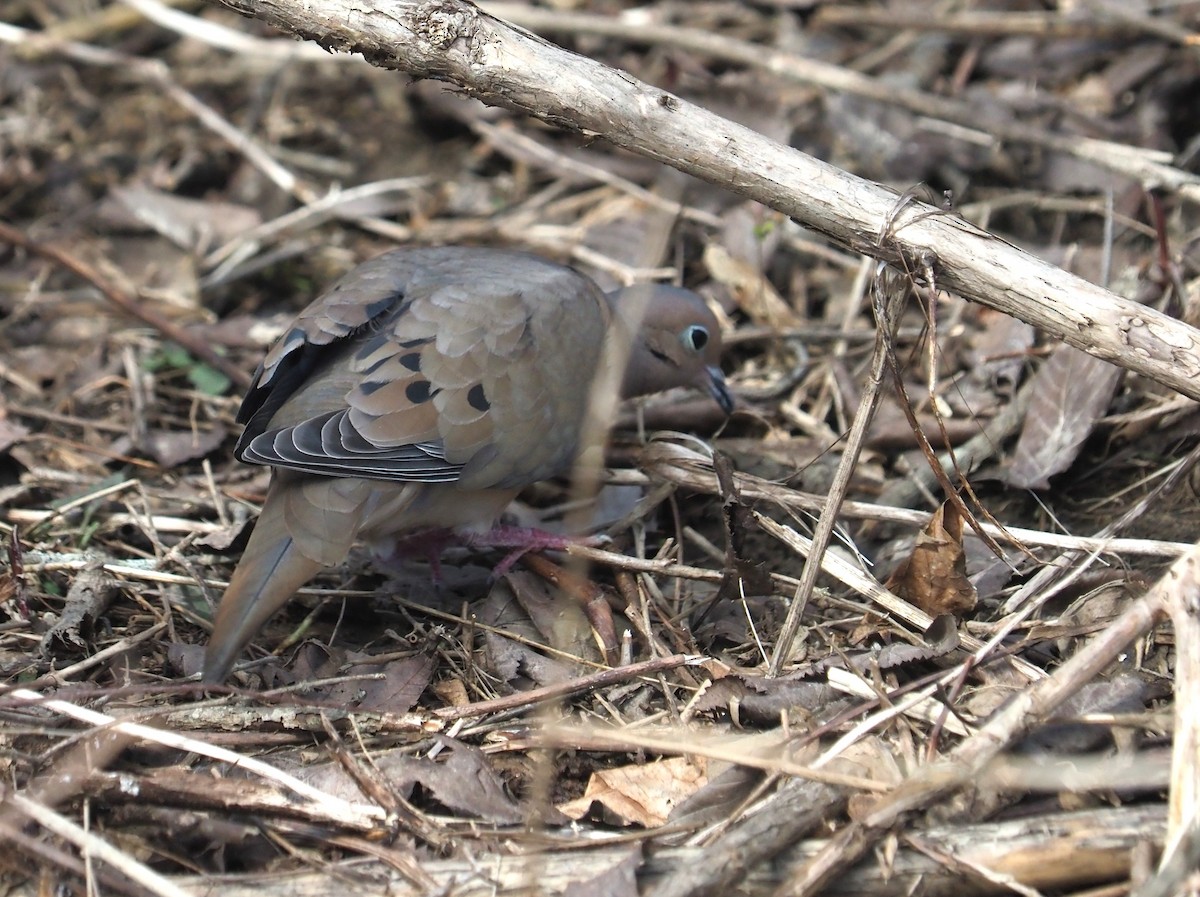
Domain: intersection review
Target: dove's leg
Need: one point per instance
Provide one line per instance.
(518, 540)
(427, 544)
(521, 540)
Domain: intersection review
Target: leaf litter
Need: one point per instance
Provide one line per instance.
(443, 727)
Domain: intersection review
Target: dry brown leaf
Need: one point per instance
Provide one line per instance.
(750, 287)
(1125, 693)
(641, 795)
(172, 448)
(535, 611)
(1070, 393)
(934, 577)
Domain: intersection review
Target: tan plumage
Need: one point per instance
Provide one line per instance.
(424, 390)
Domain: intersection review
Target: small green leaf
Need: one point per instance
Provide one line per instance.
(208, 380)
(204, 378)
(168, 357)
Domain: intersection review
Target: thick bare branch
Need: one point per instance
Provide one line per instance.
(452, 40)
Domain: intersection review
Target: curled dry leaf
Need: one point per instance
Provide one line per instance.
(460, 779)
(938, 640)
(89, 597)
(763, 700)
(934, 577)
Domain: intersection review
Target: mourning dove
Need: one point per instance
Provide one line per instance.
(423, 391)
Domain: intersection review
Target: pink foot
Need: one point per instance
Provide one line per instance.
(428, 544)
(522, 540)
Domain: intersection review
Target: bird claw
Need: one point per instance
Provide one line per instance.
(522, 540)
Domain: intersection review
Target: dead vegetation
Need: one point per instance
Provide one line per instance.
(980, 694)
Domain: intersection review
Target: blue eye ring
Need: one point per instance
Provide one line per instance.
(694, 338)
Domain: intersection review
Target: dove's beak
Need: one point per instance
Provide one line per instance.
(719, 389)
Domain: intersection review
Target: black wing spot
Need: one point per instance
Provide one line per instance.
(412, 361)
(477, 398)
(419, 391)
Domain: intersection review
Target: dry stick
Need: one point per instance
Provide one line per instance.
(688, 743)
(361, 817)
(959, 770)
(1052, 572)
(1060, 852)
(887, 314)
(969, 456)
(516, 144)
(1141, 164)
(792, 813)
(1151, 167)
(95, 846)
(753, 487)
(1179, 865)
(602, 679)
(310, 215)
(61, 677)
(1183, 819)
(156, 72)
(990, 23)
(452, 40)
(196, 347)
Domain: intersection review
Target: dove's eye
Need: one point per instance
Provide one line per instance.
(694, 338)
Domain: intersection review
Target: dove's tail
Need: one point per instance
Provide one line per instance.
(271, 570)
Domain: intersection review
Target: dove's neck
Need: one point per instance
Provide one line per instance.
(627, 347)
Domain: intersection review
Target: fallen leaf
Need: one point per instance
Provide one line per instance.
(1070, 393)
(641, 795)
(90, 595)
(934, 576)
(751, 289)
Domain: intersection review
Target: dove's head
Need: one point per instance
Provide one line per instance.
(677, 342)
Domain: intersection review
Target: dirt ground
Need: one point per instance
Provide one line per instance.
(177, 181)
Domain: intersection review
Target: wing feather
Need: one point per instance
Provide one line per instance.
(432, 365)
